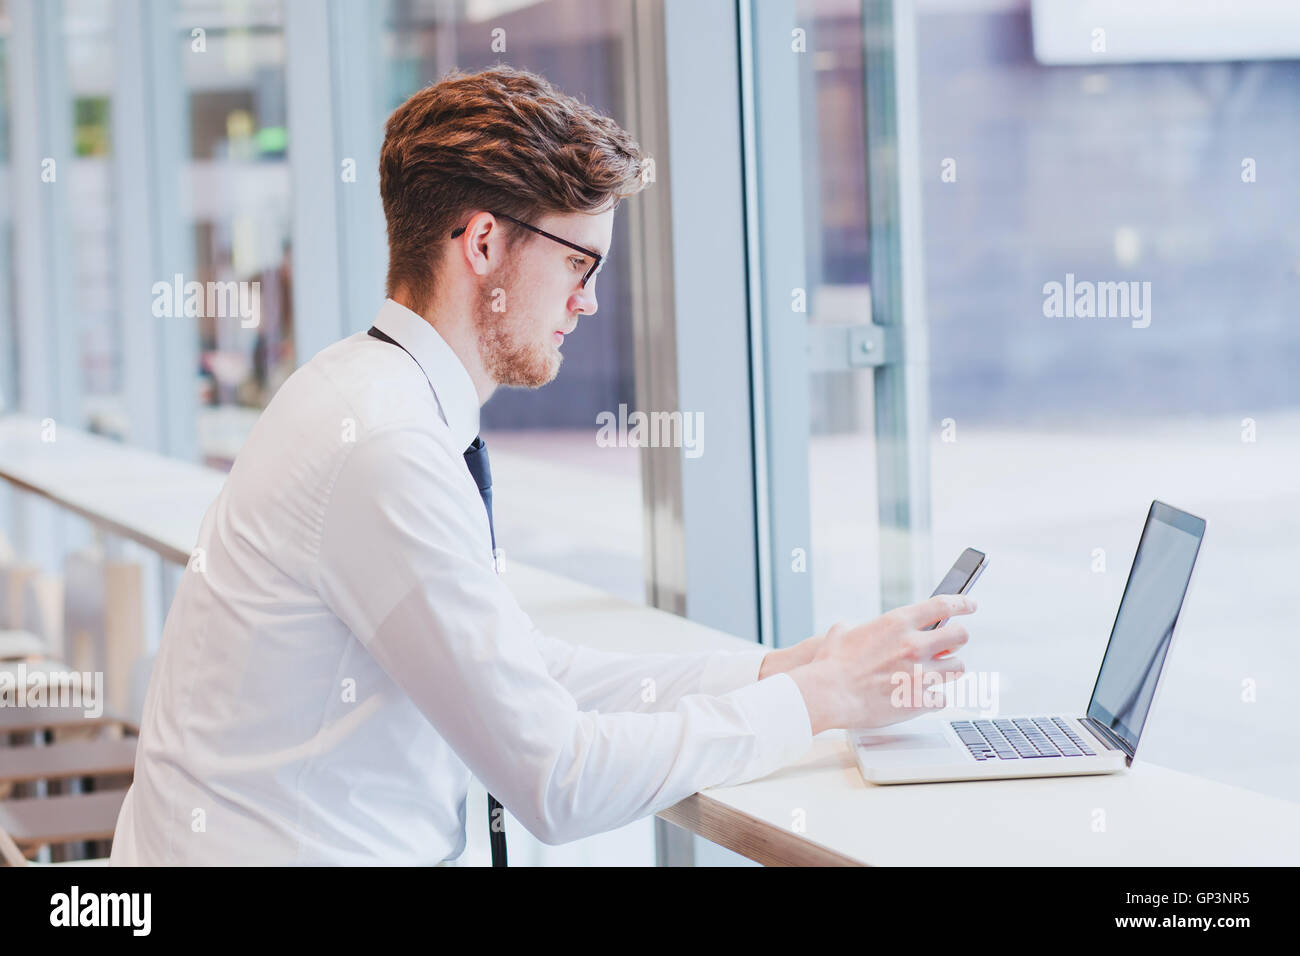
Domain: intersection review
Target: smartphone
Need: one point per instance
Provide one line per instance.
(961, 577)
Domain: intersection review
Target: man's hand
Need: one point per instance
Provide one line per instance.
(788, 658)
(849, 675)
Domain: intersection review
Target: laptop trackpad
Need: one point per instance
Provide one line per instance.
(876, 743)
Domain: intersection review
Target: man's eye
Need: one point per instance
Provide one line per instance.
(578, 262)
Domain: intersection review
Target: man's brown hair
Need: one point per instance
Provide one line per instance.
(500, 139)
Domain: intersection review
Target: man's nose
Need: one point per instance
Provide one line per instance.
(584, 300)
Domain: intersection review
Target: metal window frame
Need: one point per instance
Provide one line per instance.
(49, 360)
(902, 384)
(691, 328)
(150, 145)
(339, 247)
(9, 368)
(891, 339)
(777, 266)
(153, 243)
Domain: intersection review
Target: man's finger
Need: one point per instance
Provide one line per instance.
(937, 608)
(945, 640)
(935, 696)
(942, 640)
(950, 668)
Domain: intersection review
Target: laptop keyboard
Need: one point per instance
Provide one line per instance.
(1023, 738)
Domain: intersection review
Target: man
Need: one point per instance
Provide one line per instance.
(340, 656)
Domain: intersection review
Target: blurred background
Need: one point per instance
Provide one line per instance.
(840, 266)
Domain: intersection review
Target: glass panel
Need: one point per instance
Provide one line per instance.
(1174, 183)
(560, 502)
(1050, 434)
(845, 553)
(810, 139)
(9, 344)
(239, 195)
(87, 30)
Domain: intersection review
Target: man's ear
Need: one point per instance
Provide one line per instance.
(481, 243)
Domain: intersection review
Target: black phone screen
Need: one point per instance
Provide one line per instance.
(954, 582)
(959, 577)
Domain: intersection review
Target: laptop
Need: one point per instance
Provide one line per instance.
(938, 748)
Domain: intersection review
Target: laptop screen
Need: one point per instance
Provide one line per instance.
(1145, 623)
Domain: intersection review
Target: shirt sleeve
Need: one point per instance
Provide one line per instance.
(405, 563)
(609, 681)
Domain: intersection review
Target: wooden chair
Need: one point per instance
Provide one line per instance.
(93, 619)
(20, 645)
(30, 613)
(60, 743)
(21, 721)
(14, 576)
(59, 819)
(103, 620)
(74, 760)
(27, 825)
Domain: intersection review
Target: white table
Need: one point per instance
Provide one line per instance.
(818, 811)
(1152, 816)
(156, 501)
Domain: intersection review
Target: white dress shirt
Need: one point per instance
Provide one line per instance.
(340, 656)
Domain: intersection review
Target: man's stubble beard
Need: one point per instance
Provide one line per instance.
(508, 354)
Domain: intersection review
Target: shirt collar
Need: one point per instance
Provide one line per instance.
(452, 386)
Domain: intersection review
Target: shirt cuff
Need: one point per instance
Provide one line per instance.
(774, 708)
(730, 670)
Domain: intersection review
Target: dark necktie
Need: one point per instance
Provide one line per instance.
(476, 459)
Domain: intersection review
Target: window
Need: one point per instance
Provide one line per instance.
(561, 502)
(9, 344)
(1171, 181)
(948, 183)
(87, 27)
(239, 194)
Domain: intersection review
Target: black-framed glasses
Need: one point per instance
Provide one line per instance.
(597, 258)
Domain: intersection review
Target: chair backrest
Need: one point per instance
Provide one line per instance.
(123, 622)
(42, 610)
(83, 610)
(103, 620)
(12, 856)
(9, 851)
(14, 576)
